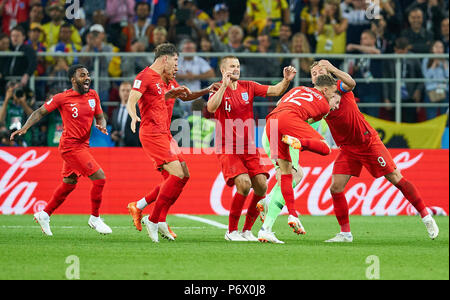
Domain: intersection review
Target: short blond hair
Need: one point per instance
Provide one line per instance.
(225, 58)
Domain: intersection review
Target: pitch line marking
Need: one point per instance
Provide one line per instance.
(203, 220)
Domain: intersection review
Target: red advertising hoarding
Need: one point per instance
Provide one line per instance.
(28, 177)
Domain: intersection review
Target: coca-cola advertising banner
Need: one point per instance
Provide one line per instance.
(28, 177)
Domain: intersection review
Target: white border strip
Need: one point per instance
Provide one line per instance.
(203, 220)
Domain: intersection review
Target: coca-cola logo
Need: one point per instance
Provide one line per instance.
(379, 197)
(17, 193)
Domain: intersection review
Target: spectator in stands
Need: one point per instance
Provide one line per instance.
(266, 15)
(58, 70)
(65, 45)
(80, 23)
(419, 37)
(182, 24)
(300, 44)
(36, 15)
(4, 46)
(133, 65)
(367, 69)
(283, 44)
(51, 29)
(140, 30)
(220, 24)
(34, 40)
(159, 36)
(331, 29)
(436, 91)
(13, 12)
(95, 42)
(433, 14)
(192, 69)
(385, 38)
(235, 38)
(120, 13)
(411, 92)
(54, 123)
(357, 19)
(90, 7)
(206, 46)
(393, 16)
(445, 33)
(121, 132)
(23, 66)
(309, 17)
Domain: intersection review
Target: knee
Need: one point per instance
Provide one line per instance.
(243, 186)
(298, 176)
(336, 188)
(260, 188)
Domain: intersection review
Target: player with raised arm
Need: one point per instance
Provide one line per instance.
(232, 106)
(78, 107)
(287, 126)
(360, 146)
(155, 90)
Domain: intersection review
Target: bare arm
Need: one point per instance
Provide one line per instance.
(348, 82)
(131, 108)
(195, 95)
(101, 123)
(364, 49)
(35, 117)
(280, 88)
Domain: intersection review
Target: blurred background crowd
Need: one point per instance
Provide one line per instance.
(196, 26)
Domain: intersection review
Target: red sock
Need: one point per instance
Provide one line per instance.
(288, 193)
(96, 195)
(60, 194)
(235, 211)
(165, 209)
(341, 211)
(316, 146)
(252, 212)
(151, 197)
(412, 195)
(170, 190)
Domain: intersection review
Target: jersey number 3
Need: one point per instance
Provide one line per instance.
(75, 112)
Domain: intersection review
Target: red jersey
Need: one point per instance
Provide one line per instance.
(14, 12)
(347, 124)
(237, 107)
(77, 113)
(306, 102)
(155, 112)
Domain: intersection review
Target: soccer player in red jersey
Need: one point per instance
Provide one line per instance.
(155, 90)
(360, 146)
(78, 107)
(287, 126)
(232, 106)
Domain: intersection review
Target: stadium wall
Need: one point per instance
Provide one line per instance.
(28, 177)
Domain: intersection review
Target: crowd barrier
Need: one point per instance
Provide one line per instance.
(28, 177)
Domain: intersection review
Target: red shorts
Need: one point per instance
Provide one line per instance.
(373, 156)
(288, 123)
(237, 164)
(161, 148)
(80, 162)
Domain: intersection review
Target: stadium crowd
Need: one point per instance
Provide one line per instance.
(195, 26)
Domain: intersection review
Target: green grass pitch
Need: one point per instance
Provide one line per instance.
(200, 252)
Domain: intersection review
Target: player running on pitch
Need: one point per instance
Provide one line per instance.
(232, 106)
(360, 146)
(155, 89)
(287, 126)
(78, 107)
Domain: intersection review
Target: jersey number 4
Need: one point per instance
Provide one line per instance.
(303, 96)
(227, 106)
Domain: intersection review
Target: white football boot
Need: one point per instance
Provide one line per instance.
(341, 237)
(261, 206)
(248, 235)
(152, 229)
(432, 228)
(296, 225)
(265, 236)
(234, 236)
(163, 229)
(98, 224)
(43, 219)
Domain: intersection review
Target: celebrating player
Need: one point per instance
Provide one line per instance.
(360, 146)
(155, 89)
(286, 126)
(232, 105)
(78, 107)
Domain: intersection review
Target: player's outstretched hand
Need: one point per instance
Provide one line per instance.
(214, 87)
(181, 91)
(226, 79)
(133, 124)
(289, 73)
(102, 129)
(21, 131)
(325, 64)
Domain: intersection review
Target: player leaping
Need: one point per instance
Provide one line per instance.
(155, 89)
(287, 126)
(78, 107)
(232, 106)
(360, 146)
